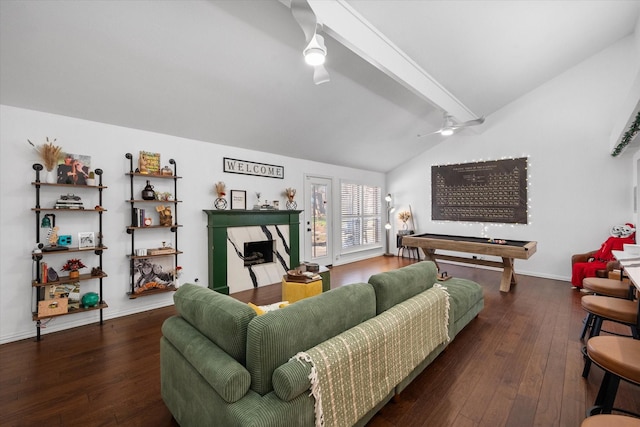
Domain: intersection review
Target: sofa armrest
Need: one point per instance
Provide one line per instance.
(226, 376)
(582, 257)
(291, 379)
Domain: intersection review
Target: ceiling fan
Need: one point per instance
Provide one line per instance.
(449, 126)
(315, 53)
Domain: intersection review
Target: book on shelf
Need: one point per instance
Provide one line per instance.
(43, 272)
(137, 218)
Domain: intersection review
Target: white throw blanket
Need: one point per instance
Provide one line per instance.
(353, 371)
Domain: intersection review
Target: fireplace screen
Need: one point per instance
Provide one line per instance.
(258, 252)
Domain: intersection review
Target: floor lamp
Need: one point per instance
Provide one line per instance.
(387, 226)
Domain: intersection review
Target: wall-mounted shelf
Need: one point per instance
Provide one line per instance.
(137, 286)
(38, 284)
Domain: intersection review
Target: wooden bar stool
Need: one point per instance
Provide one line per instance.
(610, 420)
(619, 357)
(617, 310)
(605, 287)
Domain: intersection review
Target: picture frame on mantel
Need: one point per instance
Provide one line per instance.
(238, 200)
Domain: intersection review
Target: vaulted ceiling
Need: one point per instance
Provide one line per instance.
(232, 72)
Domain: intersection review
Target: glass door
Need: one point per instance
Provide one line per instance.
(318, 220)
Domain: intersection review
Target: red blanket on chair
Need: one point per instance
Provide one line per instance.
(600, 259)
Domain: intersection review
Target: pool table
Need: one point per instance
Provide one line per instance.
(508, 250)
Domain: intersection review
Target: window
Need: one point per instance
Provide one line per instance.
(361, 223)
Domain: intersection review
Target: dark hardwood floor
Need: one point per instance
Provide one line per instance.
(517, 364)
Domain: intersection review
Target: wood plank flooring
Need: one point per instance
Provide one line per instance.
(517, 364)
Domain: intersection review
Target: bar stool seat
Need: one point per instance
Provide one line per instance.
(619, 357)
(610, 420)
(615, 309)
(608, 308)
(604, 287)
(607, 287)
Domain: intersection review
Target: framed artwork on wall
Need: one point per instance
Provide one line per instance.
(238, 199)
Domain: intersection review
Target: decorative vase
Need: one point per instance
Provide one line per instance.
(147, 192)
(292, 205)
(50, 177)
(220, 203)
(74, 274)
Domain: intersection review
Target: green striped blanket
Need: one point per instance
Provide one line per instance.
(353, 371)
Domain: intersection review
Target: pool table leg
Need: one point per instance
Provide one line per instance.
(508, 275)
(429, 255)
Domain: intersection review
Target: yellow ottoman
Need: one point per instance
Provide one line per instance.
(295, 291)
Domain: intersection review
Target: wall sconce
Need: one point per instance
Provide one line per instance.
(387, 226)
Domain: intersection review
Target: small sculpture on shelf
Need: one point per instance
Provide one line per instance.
(220, 202)
(166, 220)
(176, 273)
(90, 299)
(291, 193)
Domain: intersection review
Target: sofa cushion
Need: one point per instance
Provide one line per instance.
(224, 374)
(393, 287)
(219, 317)
(467, 300)
(291, 380)
(274, 337)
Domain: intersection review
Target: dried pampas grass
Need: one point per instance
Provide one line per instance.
(49, 153)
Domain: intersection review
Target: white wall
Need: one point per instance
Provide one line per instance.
(577, 190)
(200, 165)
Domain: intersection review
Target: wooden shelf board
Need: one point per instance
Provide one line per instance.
(66, 210)
(152, 201)
(79, 310)
(131, 227)
(153, 291)
(75, 249)
(55, 184)
(154, 256)
(66, 279)
(152, 175)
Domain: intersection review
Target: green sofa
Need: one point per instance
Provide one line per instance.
(222, 365)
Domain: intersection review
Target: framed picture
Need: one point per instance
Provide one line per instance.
(149, 163)
(86, 240)
(74, 169)
(152, 273)
(238, 199)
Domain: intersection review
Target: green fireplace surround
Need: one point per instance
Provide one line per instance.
(219, 220)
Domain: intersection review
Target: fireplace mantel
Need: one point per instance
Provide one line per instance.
(219, 220)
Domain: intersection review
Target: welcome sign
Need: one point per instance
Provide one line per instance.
(245, 167)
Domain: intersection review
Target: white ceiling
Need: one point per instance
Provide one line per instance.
(232, 73)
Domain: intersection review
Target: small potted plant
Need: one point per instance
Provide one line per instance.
(91, 180)
(72, 266)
